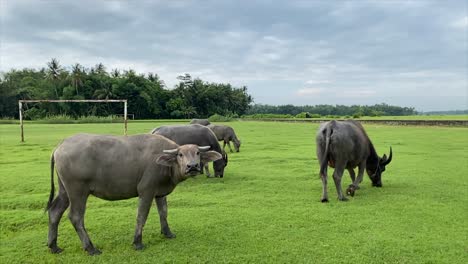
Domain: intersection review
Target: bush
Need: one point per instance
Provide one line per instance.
(35, 113)
(303, 115)
(260, 116)
(219, 118)
(8, 120)
(66, 119)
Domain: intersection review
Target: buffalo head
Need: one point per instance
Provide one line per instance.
(375, 172)
(220, 164)
(237, 144)
(187, 158)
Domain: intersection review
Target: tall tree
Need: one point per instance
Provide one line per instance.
(53, 73)
(77, 76)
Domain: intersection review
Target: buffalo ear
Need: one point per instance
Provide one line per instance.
(209, 156)
(166, 159)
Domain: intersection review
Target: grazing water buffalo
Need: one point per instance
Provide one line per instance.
(203, 122)
(198, 135)
(226, 134)
(116, 168)
(345, 145)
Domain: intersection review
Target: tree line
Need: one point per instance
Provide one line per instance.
(147, 94)
(332, 110)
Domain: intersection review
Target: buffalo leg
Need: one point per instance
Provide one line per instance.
(207, 169)
(352, 175)
(161, 203)
(144, 206)
(355, 185)
(201, 167)
(76, 215)
(227, 141)
(337, 175)
(323, 176)
(56, 210)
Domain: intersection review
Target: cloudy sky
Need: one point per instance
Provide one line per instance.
(407, 53)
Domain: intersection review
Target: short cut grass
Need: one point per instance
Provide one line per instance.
(266, 209)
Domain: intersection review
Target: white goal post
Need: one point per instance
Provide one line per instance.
(20, 105)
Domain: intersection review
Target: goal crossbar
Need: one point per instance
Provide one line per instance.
(20, 106)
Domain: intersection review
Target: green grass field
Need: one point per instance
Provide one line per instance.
(266, 208)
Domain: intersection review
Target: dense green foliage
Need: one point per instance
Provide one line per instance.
(220, 118)
(333, 110)
(265, 210)
(147, 95)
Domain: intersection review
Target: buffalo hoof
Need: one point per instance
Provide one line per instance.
(350, 191)
(139, 246)
(324, 200)
(55, 250)
(168, 235)
(343, 199)
(94, 252)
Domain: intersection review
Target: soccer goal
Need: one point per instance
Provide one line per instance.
(21, 102)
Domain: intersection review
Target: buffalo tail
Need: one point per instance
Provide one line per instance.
(324, 162)
(52, 187)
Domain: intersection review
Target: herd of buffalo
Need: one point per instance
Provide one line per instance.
(149, 166)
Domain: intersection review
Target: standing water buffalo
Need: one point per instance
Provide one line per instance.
(116, 168)
(345, 145)
(226, 134)
(203, 122)
(198, 135)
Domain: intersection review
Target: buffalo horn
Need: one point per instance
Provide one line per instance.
(204, 148)
(170, 151)
(389, 159)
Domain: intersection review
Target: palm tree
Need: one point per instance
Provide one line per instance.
(77, 76)
(104, 93)
(100, 69)
(115, 73)
(53, 72)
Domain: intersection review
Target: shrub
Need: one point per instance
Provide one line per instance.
(303, 115)
(219, 118)
(260, 116)
(66, 119)
(35, 113)
(8, 120)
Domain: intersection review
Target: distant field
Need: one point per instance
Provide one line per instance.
(418, 117)
(265, 210)
(415, 117)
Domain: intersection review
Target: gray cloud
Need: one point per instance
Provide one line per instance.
(401, 52)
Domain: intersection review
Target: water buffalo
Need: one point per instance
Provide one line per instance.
(203, 122)
(198, 135)
(116, 168)
(226, 134)
(345, 145)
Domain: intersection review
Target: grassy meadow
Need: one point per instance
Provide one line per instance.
(266, 209)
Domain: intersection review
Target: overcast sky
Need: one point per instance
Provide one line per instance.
(407, 53)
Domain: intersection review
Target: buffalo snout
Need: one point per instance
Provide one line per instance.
(192, 168)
